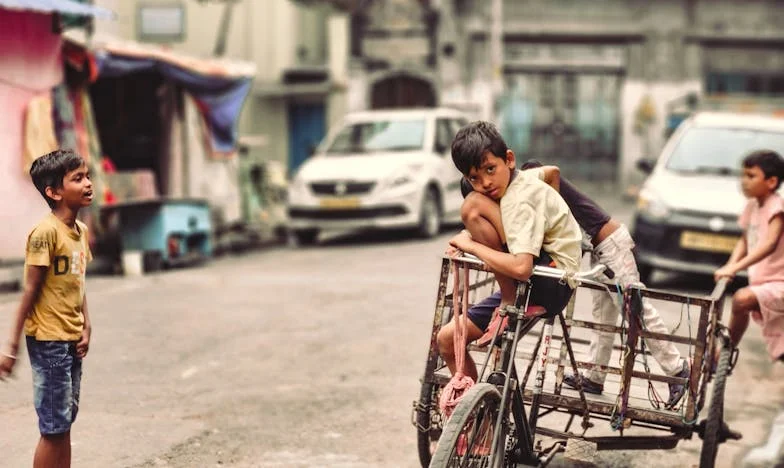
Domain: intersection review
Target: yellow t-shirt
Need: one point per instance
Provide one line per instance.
(535, 217)
(57, 313)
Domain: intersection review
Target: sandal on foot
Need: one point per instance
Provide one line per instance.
(678, 390)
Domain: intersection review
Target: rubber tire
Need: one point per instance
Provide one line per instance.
(481, 393)
(305, 236)
(713, 425)
(429, 215)
(428, 398)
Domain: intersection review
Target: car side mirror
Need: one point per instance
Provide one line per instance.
(440, 148)
(646, 165)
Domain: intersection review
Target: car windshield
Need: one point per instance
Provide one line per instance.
(382, 135)
(720, 150)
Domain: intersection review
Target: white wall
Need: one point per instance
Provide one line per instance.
(633, 145)
(213, 179)
(30, 65)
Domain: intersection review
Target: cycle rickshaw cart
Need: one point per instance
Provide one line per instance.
(506, 418)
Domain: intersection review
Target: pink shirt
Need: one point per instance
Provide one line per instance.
(755, 221)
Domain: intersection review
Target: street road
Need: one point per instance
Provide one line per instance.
(293, 358)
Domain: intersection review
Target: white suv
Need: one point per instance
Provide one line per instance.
(380, 169)
(688, 208)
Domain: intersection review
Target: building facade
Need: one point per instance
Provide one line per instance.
(300, 54)
(585, 85)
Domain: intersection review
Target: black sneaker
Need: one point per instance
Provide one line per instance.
(589, 386)
(678, 390)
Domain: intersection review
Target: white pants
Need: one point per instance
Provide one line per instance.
(616, 253)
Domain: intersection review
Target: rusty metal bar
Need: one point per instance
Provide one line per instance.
(573, 362)
(619, 443)
(670, 419)
(642, 333)
(699, 352)
(635, 308)
(612, 370)
(432, 354)
(559, 373)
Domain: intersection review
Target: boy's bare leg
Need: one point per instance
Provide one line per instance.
(53, 451)
(744, 301)
(482, 218)
(446, 347)
(66, 463)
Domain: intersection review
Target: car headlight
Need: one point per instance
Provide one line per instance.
(397, 181)
(297, 185)
(404, 177)
(651, 205)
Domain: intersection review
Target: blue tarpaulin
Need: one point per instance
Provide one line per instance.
(220, 96)
(69, 7)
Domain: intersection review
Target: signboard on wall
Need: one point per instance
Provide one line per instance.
(160, 22)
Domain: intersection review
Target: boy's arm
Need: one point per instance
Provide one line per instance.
(552, 177)
(517, 266)
(84, 343)
(739, 251)
(765, 248)
(34, 279)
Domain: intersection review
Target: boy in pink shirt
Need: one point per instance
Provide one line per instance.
(761, 250)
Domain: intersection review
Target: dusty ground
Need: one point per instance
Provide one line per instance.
(291, 358)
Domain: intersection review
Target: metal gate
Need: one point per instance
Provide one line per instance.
(567, 119)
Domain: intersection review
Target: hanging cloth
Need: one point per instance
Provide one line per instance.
(460, 383)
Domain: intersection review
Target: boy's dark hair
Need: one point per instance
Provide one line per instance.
(471, 143)
(50, 169)
(770, 162)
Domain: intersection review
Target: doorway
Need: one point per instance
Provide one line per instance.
(401, 92)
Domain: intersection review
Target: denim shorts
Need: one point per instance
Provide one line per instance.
(57, 375)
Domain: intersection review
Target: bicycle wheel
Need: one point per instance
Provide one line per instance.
(713, 425)
(429, 421)
(468, 435)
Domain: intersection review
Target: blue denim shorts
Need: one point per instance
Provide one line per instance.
(57, 375)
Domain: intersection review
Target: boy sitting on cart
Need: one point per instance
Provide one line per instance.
(524, 222)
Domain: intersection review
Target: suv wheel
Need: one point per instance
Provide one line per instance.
(430, 215)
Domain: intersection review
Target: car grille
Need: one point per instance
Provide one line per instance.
(341, 214)
(341, 188)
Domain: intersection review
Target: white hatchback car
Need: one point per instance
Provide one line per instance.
(380, 169)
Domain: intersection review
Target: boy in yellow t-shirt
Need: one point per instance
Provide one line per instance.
(53, 309)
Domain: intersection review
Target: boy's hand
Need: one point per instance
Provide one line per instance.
(7, 362)
(724, 272)
(462, 242)
(84, 344)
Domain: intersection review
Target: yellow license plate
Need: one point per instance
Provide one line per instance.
(339, 203)
(708, 242)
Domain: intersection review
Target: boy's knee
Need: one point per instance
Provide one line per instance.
(472, 207)
(744, 300)
(445, 342)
